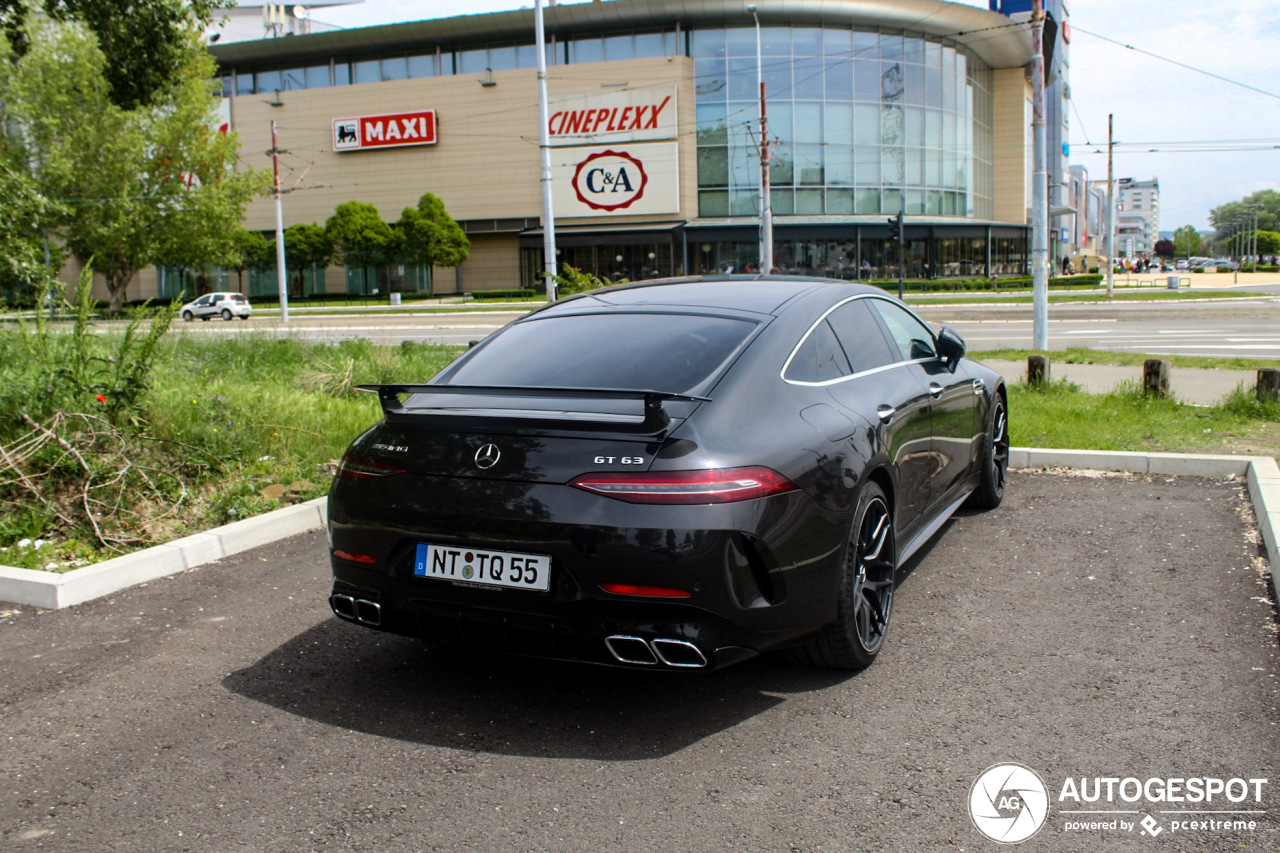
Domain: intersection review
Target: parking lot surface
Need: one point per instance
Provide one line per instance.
(1092, 627)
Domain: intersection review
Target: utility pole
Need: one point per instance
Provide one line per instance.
(282, 276)
(766, 203)
(1039, 188)
(544, 143)
(898, 236)
(1111, 208)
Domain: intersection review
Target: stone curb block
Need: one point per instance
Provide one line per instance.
(55, 591)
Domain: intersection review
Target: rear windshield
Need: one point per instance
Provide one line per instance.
(657, 352)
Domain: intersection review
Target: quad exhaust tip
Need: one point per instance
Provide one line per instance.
(680, 654)
(356, 609)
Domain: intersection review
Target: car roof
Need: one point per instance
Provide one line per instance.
(759, 294)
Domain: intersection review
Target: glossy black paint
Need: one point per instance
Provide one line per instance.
(760, 574)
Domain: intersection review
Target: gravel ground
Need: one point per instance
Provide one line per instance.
(1093, 626)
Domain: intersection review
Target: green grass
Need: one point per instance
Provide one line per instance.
(1061, 415)
(1077, 296)
(235, 416)
(1079, 355)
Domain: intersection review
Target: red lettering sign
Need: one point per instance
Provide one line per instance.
(360, 133)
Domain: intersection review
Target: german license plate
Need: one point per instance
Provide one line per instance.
(487, 568)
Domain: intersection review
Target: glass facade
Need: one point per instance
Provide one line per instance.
(859, 123)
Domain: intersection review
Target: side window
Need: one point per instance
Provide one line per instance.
(819, 358)
(860, 336)
(913, 338)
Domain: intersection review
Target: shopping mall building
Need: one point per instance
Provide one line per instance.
(874, 107)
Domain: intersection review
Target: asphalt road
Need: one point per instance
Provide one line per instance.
(1090, 627)
(1240, 327)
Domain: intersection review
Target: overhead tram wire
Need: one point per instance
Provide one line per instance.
(1177, 63)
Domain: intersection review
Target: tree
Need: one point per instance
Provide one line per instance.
(249, 251)
(430, 236)
(136, 183)
(1267, 202)
(1186, 241)
(306, 246)
(1165, 248)
(359, 237)
(144, 41)
(23, 272)
(1268, 243)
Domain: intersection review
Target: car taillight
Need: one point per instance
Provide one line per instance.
(644, 591)
(687, 487)
(354, 468)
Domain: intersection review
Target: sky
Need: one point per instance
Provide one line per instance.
(1155, 102)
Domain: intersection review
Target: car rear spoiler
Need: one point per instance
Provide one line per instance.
(654, 418)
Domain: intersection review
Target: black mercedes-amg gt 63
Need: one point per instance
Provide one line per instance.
(678, 474)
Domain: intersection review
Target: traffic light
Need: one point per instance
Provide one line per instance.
(897, 235)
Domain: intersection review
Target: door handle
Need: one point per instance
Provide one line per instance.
(935, 390)
(885, 413)
(979, 386)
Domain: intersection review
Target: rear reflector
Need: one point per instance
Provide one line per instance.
(687, 487)
(352, 468)
(646, 591)
(355, 558)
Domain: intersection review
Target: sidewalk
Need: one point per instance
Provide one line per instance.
(1203, 386)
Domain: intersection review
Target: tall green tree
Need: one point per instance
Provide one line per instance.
(249, 251)
(144, 41)
(430, 235)
(135, 182)
(23, 209)
(1267, 202)
(360, 237)
(306, 246)
(1187, 242)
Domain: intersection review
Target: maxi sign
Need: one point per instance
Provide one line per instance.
(393, 130)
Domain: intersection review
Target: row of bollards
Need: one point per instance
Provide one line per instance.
(1155, 377)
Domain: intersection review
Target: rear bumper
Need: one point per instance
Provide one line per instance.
(759, 574)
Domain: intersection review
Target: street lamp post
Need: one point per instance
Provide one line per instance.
(766, 206)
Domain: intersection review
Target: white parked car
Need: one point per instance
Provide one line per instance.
(224, 305)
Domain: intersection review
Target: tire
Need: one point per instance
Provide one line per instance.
(995, 459)
(187, 316)
(866, 591)
(244, 317)
(226, 314)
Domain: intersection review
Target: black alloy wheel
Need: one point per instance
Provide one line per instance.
(995, 464)
(866, 591)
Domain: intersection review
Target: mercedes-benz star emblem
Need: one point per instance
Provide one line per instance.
(488, 456)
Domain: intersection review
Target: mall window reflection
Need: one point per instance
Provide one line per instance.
(884, 121)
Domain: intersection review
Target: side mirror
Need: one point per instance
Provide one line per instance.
(950, 346)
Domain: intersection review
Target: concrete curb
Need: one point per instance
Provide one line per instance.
(1260, 473)
(54, 591)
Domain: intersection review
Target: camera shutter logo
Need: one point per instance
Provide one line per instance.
(1008, 803)
(488, 456)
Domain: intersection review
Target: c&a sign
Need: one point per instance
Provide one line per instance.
(618, 180)
(393, 130)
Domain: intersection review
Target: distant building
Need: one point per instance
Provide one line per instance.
(1057, 101)
(253, 19)
(1137, 216)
